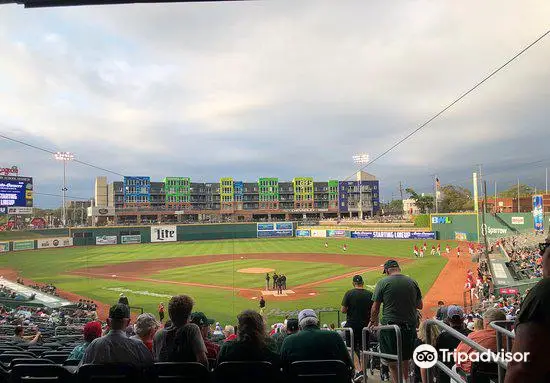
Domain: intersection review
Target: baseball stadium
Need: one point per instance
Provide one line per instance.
(188, 194)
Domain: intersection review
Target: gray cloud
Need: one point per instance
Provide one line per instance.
(274, 88)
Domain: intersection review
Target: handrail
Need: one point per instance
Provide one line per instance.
(495, 358)
(397, 357)
(509, 335)
(351, 350)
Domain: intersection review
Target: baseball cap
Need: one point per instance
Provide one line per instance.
(119, 311)
(358, 279)
(389, 264)
(307, 313)
(455, 311)
(292, 324)
(200, 319)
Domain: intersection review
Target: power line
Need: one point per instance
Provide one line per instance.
(52, 152)
(457, 100)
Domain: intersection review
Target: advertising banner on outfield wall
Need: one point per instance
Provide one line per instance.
(165, 233)
(126, 239)
(337, 233)
(274, 233)
(318, 233)
(283, 226)
(518, 221)
(265, 226)
(393, 234)
(4, 247)
(54, 242)
(538, 213)
(23, 245)
(106, 240)
(459, 236)
(303, 233)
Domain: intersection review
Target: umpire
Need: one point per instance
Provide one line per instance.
(357, 304)
(401, 297)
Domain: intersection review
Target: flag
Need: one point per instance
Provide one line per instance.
(437, 183)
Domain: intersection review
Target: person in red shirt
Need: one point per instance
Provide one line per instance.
(212, 349)
(229, 332)
(145, 328)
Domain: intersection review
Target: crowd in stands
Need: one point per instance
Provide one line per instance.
(6, 292)
(46, 288)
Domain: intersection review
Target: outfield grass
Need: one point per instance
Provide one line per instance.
(226, 273)
(52, 264)
(35, 263)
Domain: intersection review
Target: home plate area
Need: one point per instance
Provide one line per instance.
(274, 293)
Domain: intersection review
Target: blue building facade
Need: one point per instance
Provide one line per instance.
(137, 191)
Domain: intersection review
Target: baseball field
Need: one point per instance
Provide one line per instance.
(224, 277)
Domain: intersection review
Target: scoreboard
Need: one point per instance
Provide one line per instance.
(15, 191)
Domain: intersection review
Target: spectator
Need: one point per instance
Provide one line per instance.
(422, 338)
(441, 311)
(92, 330)
(18, 337)
(116, 347)
(401, 297)
(229, 332)
(478, 324)
(212, 349)
(145, 329)
(486, 338)
(251, 342)
(291, 328)
(182, 341)
(123, 299)
(161, 311)
(357, 305)
(311, 343)
(532, 329)
(445, 340)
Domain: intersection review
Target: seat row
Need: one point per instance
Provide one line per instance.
(317, 371)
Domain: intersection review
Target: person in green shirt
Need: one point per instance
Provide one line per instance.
(291, 328)
(312, 343)
(400, 297)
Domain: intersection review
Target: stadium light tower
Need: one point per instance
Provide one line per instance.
(361, 159)
(64, 156)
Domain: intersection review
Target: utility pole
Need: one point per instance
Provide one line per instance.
(480, 176)
(401, 190)
(435, 194)
(484, 232)
(546, 181)
(495, 201)
(518, 195)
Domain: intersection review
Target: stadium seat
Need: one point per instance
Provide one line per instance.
(251, 371)
(17, 361)
(71, 362)
(191, 372)
(55, 357)
(319, 371)
(40, 373)
(6, 358)
(483, 372)
(212, 363)
(106, 373)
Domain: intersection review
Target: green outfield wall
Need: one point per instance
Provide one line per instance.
(464, 226)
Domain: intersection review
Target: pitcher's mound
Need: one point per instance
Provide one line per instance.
(255, 270)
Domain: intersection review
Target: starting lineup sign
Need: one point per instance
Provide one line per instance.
(393, 234)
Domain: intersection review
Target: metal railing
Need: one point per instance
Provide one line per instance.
(365, 351)
(496, 325)
(464, 339)
(351, 349)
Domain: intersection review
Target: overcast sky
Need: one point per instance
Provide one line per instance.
(275, 88)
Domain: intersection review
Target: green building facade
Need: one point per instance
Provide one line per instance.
(177, 190)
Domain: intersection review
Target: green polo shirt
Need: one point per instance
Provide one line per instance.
(312, 343)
